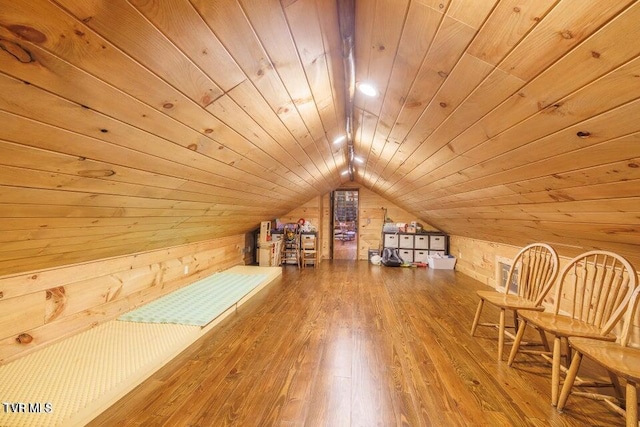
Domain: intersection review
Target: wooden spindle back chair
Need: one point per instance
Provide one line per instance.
(536, 267)
(617, 358)
(595, 288)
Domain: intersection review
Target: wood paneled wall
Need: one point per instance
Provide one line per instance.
(371, 210)
(49, 305)
(477, 258)
(327, 233)
(372, 216)
(310, 211)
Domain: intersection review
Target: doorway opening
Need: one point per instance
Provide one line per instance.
(345, 224)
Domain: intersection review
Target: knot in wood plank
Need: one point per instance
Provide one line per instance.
(24, 338)
(18, 52)
(27, 33)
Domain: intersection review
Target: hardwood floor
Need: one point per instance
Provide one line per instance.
(350, 344)
(345, 249)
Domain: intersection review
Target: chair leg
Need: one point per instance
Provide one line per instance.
(543, 338)
(617, 389)
(555, 370)
(569, 380)
(516, 342)
(477, 317)
(632, 405)
(501, 335)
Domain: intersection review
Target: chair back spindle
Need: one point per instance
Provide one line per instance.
(536, 266)
(599, 284)
(630, 317)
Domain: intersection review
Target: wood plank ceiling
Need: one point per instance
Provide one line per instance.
(140, 124)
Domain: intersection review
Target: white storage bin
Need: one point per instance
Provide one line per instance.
(390, 240)
(406, 242)
(421, 256)
(436, 242)
(421, 242)
(406, 255)
(448, 262)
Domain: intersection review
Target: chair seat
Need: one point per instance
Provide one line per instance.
(623, 361)
(564, 326)
(509, 301)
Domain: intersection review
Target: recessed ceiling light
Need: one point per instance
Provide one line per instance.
(339, 139)
(368, 89)
(358, 159)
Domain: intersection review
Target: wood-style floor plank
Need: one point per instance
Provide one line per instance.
(351, 344)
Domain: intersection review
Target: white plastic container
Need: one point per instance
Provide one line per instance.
(446, 262)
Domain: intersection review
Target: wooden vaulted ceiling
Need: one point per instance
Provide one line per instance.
(140, 124)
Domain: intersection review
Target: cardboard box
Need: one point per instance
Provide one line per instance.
(447, 262)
